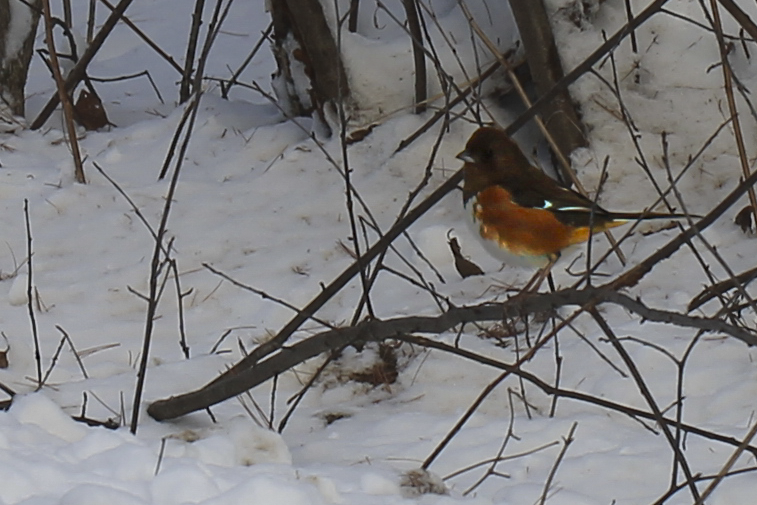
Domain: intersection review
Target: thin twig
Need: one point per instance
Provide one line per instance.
(180, 303)
(160, 455)
(648, 397)
(264, 295)
(349, 188)
(566, 443)
(29, 294)
(728, 83)
(132, 76)
(73, 351)
(155, 264)
(91, 21)
(53, 363)
(272, 403)
(295, 401)
(63, 96)
(492, 470)
(464, 418)
(681, 367)
(169, 59)
(490, 461)
(131, 202)
(225, 88)
(188, 110)
(189, 59)
(728, 465)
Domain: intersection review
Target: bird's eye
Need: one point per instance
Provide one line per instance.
(487, 155)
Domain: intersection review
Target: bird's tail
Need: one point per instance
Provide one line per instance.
(624, 217)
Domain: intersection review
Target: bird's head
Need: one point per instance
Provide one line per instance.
(490, 156)
(489, 146)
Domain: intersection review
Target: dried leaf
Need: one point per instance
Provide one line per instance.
(464, 266)
(744, 219)
(90, 112)
(359, 135)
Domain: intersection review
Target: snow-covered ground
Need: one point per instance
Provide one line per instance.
(258, 200)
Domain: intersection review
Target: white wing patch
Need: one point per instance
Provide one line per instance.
(574, 209)
(549, 205)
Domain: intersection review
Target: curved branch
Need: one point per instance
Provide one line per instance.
(238, 380)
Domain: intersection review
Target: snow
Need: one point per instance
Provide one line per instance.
(258, 200)
(381, 86)
(21, 16)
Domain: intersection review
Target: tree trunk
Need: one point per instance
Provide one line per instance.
(306, 55)
(560, 117)
(18, 26)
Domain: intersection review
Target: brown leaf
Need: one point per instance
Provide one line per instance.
(90, 112)
(360, 134)
(464, 266)
(744, 219)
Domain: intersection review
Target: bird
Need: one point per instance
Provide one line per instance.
(523, 216)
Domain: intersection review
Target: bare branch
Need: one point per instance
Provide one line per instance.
(29, 294)
(566, 443)
(728, 465)
(63, 94)
(238, 379)
(728, 83)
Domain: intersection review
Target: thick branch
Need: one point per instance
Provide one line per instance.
(237, 381)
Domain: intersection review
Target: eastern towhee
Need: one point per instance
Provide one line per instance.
(523, 216)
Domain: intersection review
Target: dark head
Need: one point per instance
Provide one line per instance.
(490, 156)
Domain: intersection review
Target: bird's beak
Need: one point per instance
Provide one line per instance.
(466, 157)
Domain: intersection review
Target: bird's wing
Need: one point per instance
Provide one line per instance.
(535, 189)
(555, 200)
(539, 191)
